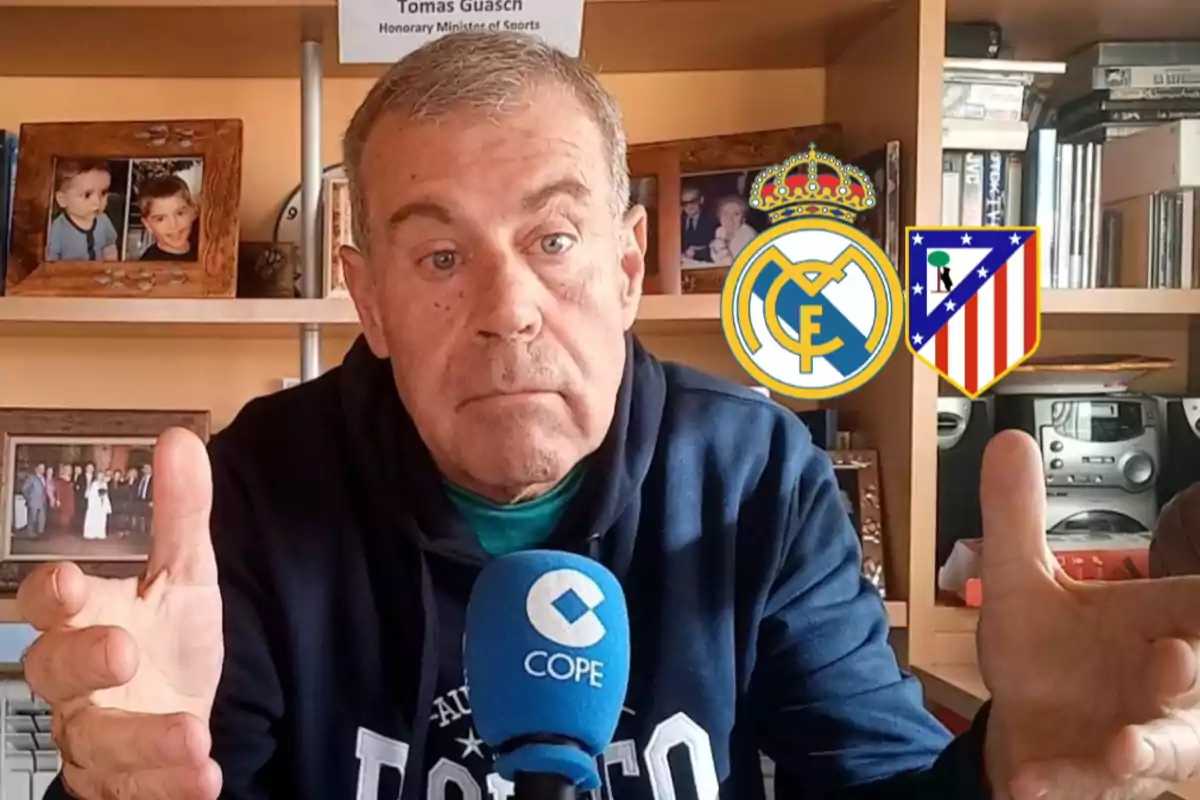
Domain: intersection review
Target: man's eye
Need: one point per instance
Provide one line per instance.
(442, 260)
(556, 243)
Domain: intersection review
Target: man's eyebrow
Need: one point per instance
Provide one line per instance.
(569, 186)
(419, 208)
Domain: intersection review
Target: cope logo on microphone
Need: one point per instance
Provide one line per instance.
(561, 606)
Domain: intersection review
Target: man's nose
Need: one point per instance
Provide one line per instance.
(509, 300)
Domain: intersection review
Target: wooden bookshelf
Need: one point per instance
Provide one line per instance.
(874, 67)
(251, 38)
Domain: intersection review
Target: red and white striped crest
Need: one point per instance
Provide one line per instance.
(974, 302)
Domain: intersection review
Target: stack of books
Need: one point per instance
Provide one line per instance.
(1033, 143)
(1116, 89)
(1124, 235)
(989, 107)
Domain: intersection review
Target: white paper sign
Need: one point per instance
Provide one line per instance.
(383, 31)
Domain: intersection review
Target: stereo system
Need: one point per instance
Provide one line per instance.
(1111, 461)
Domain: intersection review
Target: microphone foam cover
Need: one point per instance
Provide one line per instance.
(546, 656)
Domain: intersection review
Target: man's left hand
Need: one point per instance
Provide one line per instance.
(1095, 690)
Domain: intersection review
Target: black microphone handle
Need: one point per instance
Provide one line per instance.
(542, 786)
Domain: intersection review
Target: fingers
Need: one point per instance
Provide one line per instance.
(64, 664)
(180, 545)
(52, 595)
(1166, 749)
(1161, 608)
(111, 740)
(1172, 673)
(1160, 597)
(1071, 779)
(202, 782)
(1013, 502)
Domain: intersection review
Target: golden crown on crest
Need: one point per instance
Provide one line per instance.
(812, 184)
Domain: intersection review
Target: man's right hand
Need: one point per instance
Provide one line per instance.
(128, 667)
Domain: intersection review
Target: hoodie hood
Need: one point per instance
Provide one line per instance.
(391, 455)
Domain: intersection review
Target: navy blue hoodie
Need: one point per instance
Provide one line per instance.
(345, 572)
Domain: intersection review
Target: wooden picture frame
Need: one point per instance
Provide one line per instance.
(184, 169)
(681, 163)
(883, 222)
(857, 473)
(654, 184)
(54, 522)
(337, 230)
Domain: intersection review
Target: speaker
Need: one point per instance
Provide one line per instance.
(1180, 446)
(964, 427)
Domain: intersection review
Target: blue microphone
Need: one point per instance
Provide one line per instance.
(546, 656)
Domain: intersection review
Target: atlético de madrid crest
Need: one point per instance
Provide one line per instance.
(974, 302)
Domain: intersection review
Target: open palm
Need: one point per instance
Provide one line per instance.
(130, 667)
(1093, 684)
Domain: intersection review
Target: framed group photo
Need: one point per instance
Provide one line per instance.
(696, 192)
(79, 486)
(126, 209)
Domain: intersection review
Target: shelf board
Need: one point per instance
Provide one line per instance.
(955, 619)
(1055, 30)
(255, 318)
(148, 317)
(242, 317)
(1149, 302)
(260, 38)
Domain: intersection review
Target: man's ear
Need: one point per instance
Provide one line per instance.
(361, 283)
(633, 262)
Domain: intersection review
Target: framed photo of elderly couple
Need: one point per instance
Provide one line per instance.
(78, 485)
(696, 193)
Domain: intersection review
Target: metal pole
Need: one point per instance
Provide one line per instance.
(310, 195)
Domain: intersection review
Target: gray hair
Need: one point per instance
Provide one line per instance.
(482, 71)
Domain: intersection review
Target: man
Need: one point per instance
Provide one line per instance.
(36, 491)
(496, 402)
(142, 504)
(697, 228)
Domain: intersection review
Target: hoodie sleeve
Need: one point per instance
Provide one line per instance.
(831, 706)
(249, 701)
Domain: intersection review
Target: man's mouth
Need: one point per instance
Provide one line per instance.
(517, 396)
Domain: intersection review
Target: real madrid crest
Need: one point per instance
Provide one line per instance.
(812, 308)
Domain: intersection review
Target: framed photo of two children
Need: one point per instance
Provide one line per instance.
(126, 209)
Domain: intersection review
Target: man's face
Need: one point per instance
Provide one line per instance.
(691, 202)
(84, 196)
(500, 284)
